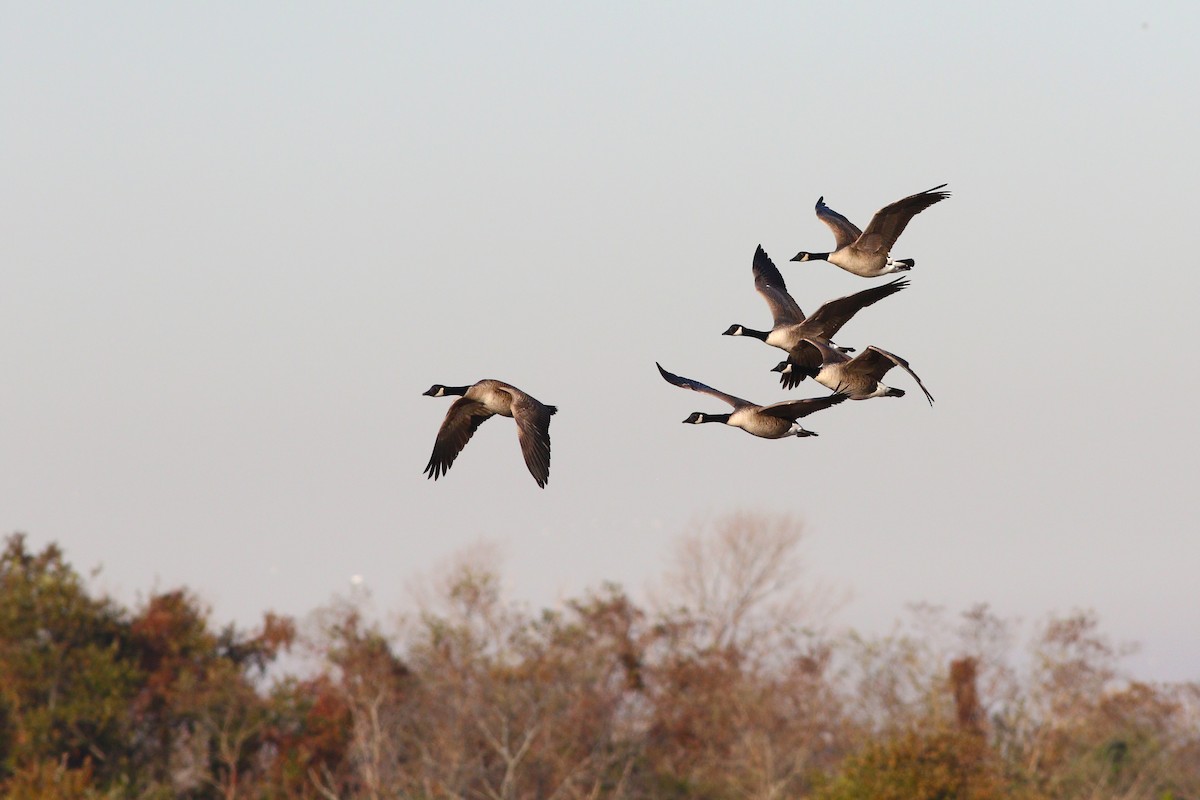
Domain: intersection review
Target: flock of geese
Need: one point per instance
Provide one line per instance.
(807, 340)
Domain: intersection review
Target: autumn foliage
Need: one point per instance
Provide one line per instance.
(730, 682)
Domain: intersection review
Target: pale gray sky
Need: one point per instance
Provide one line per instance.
(241, 239)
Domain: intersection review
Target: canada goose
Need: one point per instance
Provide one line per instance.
(867, 253)
(859, 377)
(770, 422)
(791, 327)
(480, 401)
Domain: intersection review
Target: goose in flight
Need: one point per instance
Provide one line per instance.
(476, 404)
(858, 377)
(769, 422)
(868, 253)
(790, 327)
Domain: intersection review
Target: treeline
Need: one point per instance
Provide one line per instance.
(728, 683)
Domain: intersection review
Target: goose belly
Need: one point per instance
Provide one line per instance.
(837, 380)
(860, 263)
(760, 425)
(494, 400)
(830, 377)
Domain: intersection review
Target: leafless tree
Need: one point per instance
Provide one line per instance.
(742, 578)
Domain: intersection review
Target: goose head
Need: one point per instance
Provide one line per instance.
(438, 390)
(735, 330)
(698, 417)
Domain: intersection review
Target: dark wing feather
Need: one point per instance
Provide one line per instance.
(871, 362)
(795, 409)
(828, 319)
(876, 362)
(806, 363)
(845, 232)
(462, 420)
(890, 221)
(770, 285)
(533, 432)
(790, 380)
(697, 386)
(828, 353)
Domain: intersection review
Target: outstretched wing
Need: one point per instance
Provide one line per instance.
(845, 232)
(770, 285)
(828, 319)
(889, 222)
(462, 420)
(795, 409)
(697, 386)
(533, 432)
(876, 362)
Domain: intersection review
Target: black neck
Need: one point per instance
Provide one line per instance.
(760, 335)
(716, 418)
(459, 390)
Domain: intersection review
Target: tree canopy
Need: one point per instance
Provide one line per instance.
(730, 683)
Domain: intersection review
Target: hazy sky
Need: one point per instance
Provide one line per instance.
(239, 240)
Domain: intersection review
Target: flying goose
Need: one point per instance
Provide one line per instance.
(480, 401)
(790, 327)
(867, 253)
(770, 422)
(858, 377)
